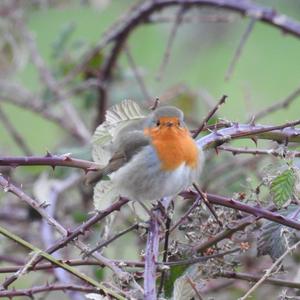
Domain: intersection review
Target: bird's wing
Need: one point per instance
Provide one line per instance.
(129, 145)
(132, 143)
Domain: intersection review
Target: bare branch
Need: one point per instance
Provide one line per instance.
(256, 277)
(239, 49)
(189, 211)
(278, 105)
(256, 211)
(137, 74)
(47, 288)
(170, 41)
(255, 151)
(206, 202)
(113, 238)
(209, 116)
(14, 133)
(52, 85)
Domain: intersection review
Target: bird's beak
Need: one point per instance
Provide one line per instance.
(169, 124)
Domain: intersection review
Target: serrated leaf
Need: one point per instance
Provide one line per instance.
(297, 182)
(282, 187)
(116, 118)
(104, 194)
(175, 273)
(95, 296)
(182, 285)
(271, 241)
(42, 188)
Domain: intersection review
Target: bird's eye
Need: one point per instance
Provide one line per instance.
(178, 123)
(158, 123)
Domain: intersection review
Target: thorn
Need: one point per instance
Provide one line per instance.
(252, 121)
(286, 141)
(155, 104)
(48, 154)
(67, 156)
(254, 139)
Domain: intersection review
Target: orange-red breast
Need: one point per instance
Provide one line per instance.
(154, 157)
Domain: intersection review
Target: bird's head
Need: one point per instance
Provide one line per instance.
(166, 117)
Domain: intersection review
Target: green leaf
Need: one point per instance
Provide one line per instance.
(62, 39)
(175, 272)
(96, 61)
(282, 187)
(182, 286)
(79, 217)
(270, 239)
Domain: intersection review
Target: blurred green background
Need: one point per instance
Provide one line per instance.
(267, 71)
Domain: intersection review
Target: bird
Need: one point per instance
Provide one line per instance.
(153, 157)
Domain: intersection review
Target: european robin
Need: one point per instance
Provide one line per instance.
(154, 157)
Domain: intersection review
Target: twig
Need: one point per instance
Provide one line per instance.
(196, 260)
(239, 49)
(238, 131)
(188, 212)
(194, 287)
(256, 277)
(113, 238)
(255, 211)
(269, 271)
(206, 202)
(137, 74)
(193, 20)
(14, 133)
(278, 105)
(52, 85)
(227, 233)
(255, 151)
(208, 117)
(170, 41)
(235, 165)
(47, 288)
